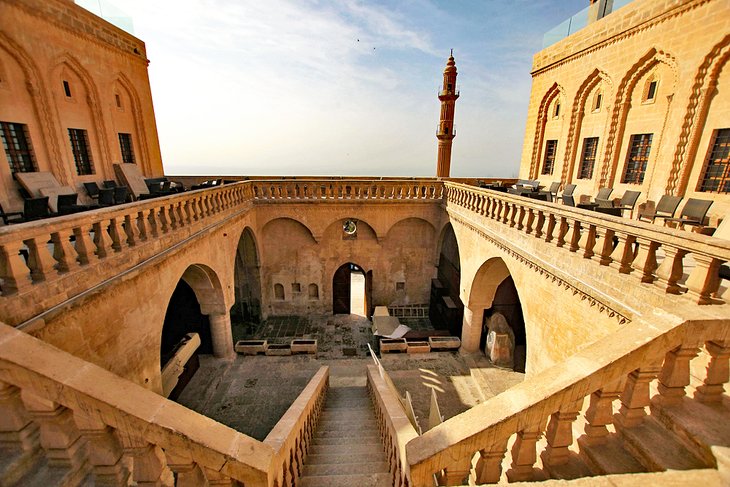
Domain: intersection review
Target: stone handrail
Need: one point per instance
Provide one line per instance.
(395, 428)
(318, 190)
(292, 435)
(75, 400)
(614, 368)
(628, 246)
(68, 255)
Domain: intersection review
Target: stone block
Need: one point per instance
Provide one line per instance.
(381, 311)
(251, 347)
(302, 345)
(444, 343)
(393, 345)
(278, 350)
(418, 347)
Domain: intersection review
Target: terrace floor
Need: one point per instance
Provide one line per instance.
(251, 393)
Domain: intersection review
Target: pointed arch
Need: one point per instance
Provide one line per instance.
(622, 105)
(576, 120)
(703, 91)
(123, 81)
(542, 118)
(41, 105)
(68, 61)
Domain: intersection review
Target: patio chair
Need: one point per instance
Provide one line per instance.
(11, 217)
(628, 201)
(567, 196)
(553, 190)
(92, 189)
(692, 214)
(664, 209)
(36, 209)
(67, 203)
(110, 183)
(120, 194)
(106, 197)
(601, 198)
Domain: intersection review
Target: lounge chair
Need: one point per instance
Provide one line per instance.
(567, 196)
(693, 213)
(11, 217)
(110, 183)
(92, 189)
(628, 201)
(601, 198)
(553, 190)
(664, 209)
(36, 209)
(106, 197)
(120, 194)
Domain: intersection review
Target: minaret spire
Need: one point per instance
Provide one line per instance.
(446, 133)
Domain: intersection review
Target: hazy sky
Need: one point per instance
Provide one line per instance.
(318, 87)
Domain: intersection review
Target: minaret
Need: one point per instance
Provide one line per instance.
(446, 132)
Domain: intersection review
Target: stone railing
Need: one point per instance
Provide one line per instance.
(45, 262)
(318, 190)
(613, 368)
(79, 408)
(292, 435)
(628, 246)
(394, 425)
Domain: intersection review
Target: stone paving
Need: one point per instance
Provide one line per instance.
(251, 393)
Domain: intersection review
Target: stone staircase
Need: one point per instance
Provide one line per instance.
(346, 450)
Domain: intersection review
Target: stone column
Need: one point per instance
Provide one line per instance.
(220, 332)
(471, 330)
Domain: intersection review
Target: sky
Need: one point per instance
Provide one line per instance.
(348, 87)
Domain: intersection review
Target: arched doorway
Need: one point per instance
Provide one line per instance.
(246, 310)
(351, 290)
(445, 307)
(493, 291)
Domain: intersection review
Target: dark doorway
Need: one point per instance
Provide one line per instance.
(183, 316)
(247, 308)
(349, 279)
(507, 302)
(446, 310)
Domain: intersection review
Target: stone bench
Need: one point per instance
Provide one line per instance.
(251, 347)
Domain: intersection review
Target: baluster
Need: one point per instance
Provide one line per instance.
(84, 247)
(60, 438)
(529, 224)
(645, 260)
(116, 229)
(40, 261)
(16, 428)
(187, 472)
(559, 435)
(524, 454)
(217, 479)
(573, 235)
(14, 272)
(63, 252)
(163, 219)
(539, 224)
(671, 269)
(704, 279)
(587, 240)
(674, 376)
(457, 472)
(520, 210)
(718, 373)
(143, 225)
(604, 244)
(550, 228)
(489, 466)
(561, 229)
(186, 212)
(193, 210)
(150, 465)
(105, 451)
(154, 224)
(600, 414)
(623, 253)
(635, 396)
(172, 215)
(182, 215)
(102, 240)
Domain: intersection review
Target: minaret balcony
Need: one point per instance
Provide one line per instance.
(445, 131)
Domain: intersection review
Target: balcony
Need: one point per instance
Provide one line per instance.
(580, 20)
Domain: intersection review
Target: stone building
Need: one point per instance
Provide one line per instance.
(69, 110)
(622, 326)
(638, 100)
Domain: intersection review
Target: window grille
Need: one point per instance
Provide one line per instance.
(588, 158)
(551, 147)
(81, 151)
(716, 174)
(639, 148)
(18, 150)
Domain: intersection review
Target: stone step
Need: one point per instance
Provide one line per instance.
(372, 480)
(346, 434)
(657, 449)
(342, 458)
(365, 425)
(338, 405)
(347, 449)
(699, 426)
(359, 468)
(15, 464)
(341, 440)
(610, 457)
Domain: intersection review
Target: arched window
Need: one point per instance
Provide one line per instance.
(278, 292)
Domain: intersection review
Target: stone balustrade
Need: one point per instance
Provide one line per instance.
(394, 426)
(628, 246)
(79, 407)
(317, 190)
(548, 403)
(292, 435)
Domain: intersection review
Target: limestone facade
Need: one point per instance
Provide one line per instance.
(636, 101)
(69, 79)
